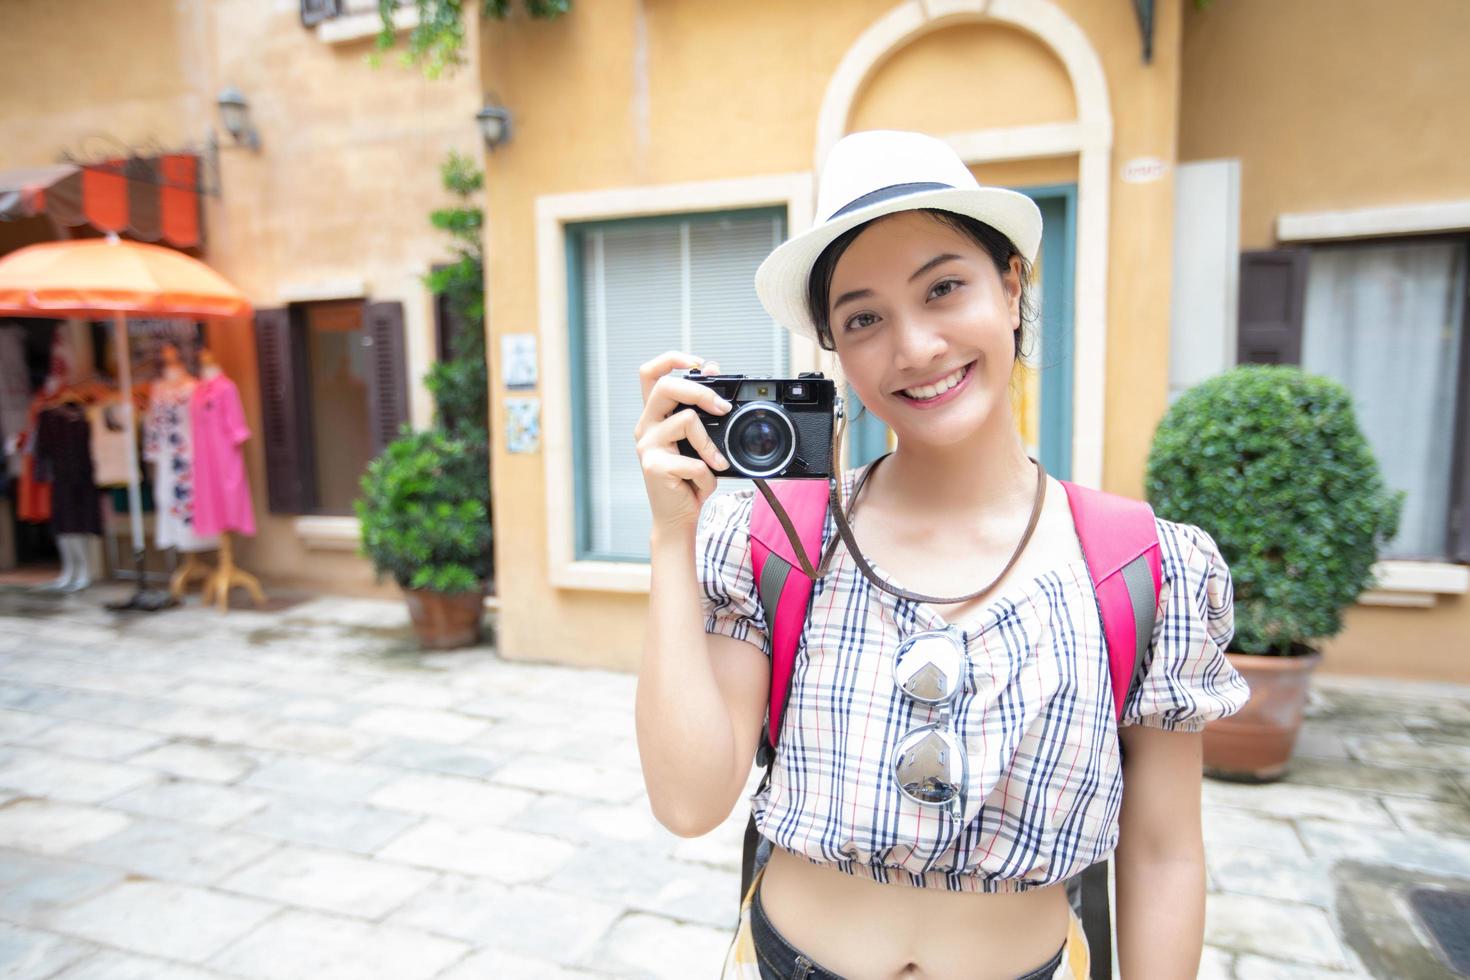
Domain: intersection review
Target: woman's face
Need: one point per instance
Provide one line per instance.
(923, 324)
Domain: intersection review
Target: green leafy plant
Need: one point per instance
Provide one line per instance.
(436, 44)
(425, 505)
(1270, 461)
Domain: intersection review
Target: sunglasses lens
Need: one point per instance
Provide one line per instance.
(929, 766)
(929, 667)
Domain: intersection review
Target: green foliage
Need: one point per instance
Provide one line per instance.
(424, 514)
(436, 45)
(1271, 462)
(425, 506)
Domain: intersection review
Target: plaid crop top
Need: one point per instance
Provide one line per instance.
(1046, 780)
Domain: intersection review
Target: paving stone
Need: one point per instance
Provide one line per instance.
(407, 694)
(508, 966)
(207, 694)
(455, 798)
(648, 880)
(295, 706)
(43, 827)
(1418, 851)
(92, 741)
(87, 706)
(1431, 817)
(323, 947)
(1386, 750)
(172, 851)
(111, 965)
(312, 738)
(1243, 871)
(28, 953)
(214, 725)
(1378, 780)
(358, 828)
(592, 823)
(1251, 967)
(32, 885)
(1214, 964)
(551, 774)
(190, 761)
(159, 919)
(141, 683)
(29, 697)
(330, 882)
(325, 778)
(643, 945)
(1284, 800)
(523, 919)
(430, 726)
(1302, 933)
(59, 777)
(209, 804)
(452, 760)
(1235, 828)
(506, 856)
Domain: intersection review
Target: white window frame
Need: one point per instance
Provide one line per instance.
(554, 212)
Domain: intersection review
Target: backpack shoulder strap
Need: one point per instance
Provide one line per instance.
(1121, 544)
(783, 588)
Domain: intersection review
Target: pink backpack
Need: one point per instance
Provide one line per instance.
(1120, 543)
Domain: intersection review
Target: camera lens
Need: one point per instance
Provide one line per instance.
(760, 439)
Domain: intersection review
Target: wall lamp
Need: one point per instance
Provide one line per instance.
(234, 111)
(494, 122)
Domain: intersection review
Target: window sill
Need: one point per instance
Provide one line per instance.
(602, 576)
(355, 27)
(1415, 583)
(328, 533)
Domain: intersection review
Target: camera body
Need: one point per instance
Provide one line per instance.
(777, 428)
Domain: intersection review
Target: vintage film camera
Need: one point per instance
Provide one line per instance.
(778, 428)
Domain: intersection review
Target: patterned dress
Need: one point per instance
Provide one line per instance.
(167, 443)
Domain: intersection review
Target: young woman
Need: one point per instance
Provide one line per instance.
(918, 279)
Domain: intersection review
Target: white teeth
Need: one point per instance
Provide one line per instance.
(936, 389)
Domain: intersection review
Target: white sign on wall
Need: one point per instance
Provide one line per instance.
(518, 360)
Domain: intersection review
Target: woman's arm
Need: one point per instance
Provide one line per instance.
(700, 698)
(1160, 859)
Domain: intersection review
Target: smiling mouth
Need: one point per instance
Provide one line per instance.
(924, 393)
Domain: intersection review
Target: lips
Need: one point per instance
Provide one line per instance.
(937, 388)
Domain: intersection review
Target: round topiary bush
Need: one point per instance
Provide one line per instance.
(1271, 463)
(424, 512)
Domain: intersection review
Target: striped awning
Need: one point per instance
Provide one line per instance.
(151, 198)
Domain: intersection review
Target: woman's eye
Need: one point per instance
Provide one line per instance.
(939, 288)
(859, 321)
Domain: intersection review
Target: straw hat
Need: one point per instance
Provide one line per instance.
(875, 173)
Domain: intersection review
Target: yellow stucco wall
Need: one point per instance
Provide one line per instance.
(340, 190)
(631, 93)
(1331, 105)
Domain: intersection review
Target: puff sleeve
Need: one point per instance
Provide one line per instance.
(1187, 680)
(722, 561)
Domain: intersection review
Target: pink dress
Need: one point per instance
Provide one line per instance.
(221, 490)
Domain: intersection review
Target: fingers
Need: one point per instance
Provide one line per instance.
(669, 394)
(682, 425)
(673, 360)
(695, 472)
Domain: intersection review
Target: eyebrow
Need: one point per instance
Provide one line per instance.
(862, 293)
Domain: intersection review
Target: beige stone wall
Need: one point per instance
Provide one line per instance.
(1332, 105)
(339, 192)
(630, 93)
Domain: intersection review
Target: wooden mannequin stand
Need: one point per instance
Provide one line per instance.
(193, 570)
(227, 576)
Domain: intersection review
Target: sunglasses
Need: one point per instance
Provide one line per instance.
(929, 763)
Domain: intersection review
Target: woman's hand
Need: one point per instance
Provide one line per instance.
(677, 485)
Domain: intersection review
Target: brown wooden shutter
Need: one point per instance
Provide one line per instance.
(285, 413)
(387, 371)
(1273, 288)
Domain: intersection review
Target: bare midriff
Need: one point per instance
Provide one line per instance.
(865, 930)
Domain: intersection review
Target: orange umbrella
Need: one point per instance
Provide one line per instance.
(91, 276)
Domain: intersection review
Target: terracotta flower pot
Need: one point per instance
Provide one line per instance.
(1255, 743)
(444, 620)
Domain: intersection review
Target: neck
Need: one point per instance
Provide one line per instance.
(987, 472)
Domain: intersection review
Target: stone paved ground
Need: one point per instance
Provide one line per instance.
(301, 794)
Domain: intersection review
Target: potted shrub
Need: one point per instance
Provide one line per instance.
(425, 505)
(425, 522)
(1270, 461)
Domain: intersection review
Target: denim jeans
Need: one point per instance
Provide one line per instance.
(779, 960)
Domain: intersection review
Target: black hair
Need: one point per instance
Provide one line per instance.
(1000, 249)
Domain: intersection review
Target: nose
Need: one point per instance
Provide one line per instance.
(917, 345)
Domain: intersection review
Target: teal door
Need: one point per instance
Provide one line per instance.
(868, 436)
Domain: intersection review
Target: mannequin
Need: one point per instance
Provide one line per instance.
(222, 492)
(168, 444)
(63, 452)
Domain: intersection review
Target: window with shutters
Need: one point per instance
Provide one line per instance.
(334, 392)
(640, 287)
(1387, 318)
